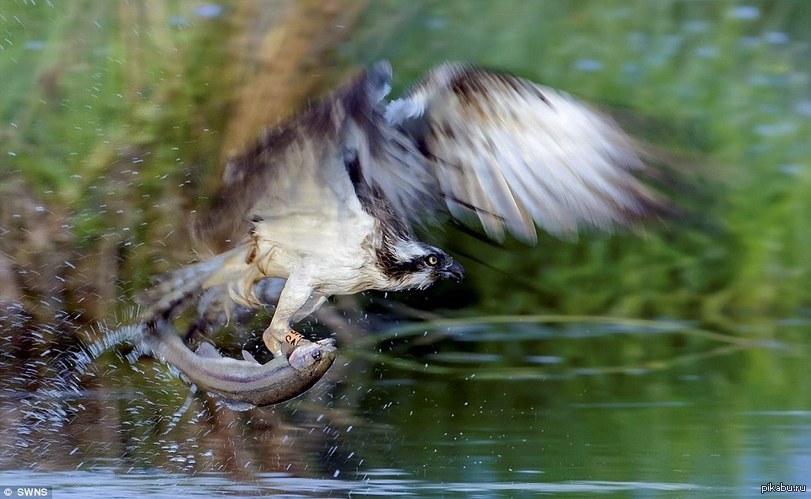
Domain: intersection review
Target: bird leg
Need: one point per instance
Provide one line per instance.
(293, 338)
(296, 301)
(280, 339)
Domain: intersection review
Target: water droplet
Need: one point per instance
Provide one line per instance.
(792, 169)
(178, 21)
(776, 129)
(209, 11)
(696, 26)
(588, 65)
(34, 45)
(435, 23)
(776, 37)
(637, 40)
(707, 52)
(745, 12)
(803, 108)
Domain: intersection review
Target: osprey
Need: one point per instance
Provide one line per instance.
(329, 199)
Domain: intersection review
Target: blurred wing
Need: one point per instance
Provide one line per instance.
(294, 179)
(292, 184)
(510, 154)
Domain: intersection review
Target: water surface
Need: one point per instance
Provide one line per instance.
(478, 416)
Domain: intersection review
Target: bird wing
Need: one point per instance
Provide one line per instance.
(292, 184)
(510, 154)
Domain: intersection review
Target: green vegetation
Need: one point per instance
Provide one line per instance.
(113, 113)
(110, 113)
(722, 85)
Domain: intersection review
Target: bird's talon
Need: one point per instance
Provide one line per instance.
(293, 338)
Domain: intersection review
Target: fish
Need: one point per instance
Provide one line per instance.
(241, 384)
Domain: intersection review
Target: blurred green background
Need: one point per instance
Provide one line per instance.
(116, 119)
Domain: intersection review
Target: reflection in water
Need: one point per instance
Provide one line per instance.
(439, 413)
(384, 482)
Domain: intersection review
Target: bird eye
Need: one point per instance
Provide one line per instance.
(431, 260)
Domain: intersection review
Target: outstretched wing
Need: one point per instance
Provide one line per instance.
(293, 182)
(511, 154)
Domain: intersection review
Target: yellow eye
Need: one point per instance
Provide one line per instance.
(432, 260)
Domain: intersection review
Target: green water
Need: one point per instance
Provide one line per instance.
(672, 362)
(544, 413)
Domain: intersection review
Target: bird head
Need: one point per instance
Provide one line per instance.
(412, 264)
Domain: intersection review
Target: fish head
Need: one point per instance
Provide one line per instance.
(314, 358)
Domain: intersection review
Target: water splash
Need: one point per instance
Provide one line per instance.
(181, 411)
(108, 340)
(44, 393)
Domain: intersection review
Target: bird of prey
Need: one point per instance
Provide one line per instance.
(329, 200)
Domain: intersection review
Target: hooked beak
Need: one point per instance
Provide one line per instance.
(454, 271)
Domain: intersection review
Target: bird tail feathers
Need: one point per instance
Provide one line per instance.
(175, 288)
